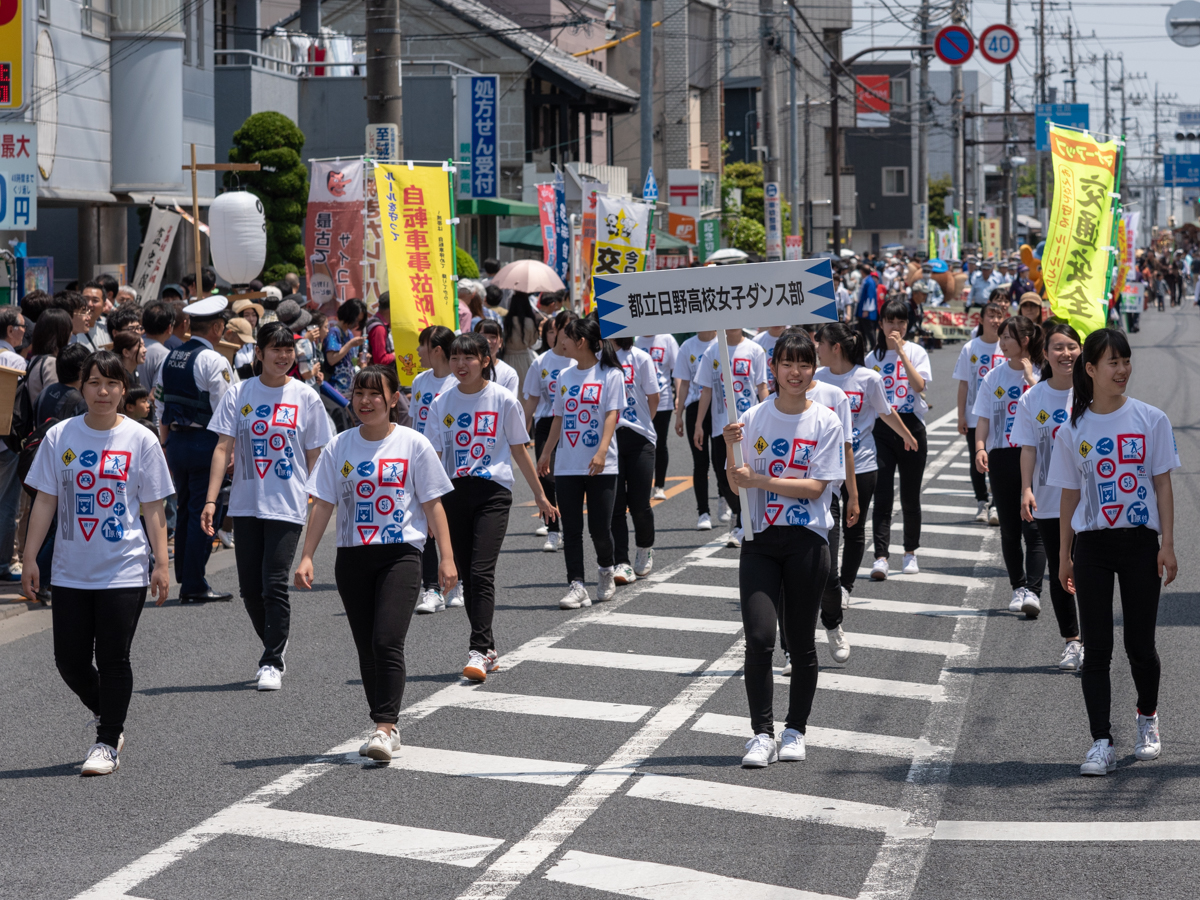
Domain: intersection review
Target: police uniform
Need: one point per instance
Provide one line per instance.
(193, 379)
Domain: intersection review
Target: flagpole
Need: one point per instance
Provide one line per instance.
(731, 416)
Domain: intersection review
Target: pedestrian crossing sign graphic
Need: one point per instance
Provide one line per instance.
(347, 468)
(68, 457)
(761, 444)
(999, 392)
(1042, 417)
(1085, 448)
(448, 421)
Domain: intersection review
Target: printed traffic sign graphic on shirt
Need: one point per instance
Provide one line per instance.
(68, 457)
(1131, 448)
(590, 393)
(1127, 482)
(1112, 513)
(115, 464)
(393, 472)
(88, 527)
(573, 437)
(856, 401)
(285, 415)
(366, 533)
(263, 466)
(1106, 468)
(105, 497)
(84, 504)
(85, 480)
(772, 512)
(485, 424)
(802, 452)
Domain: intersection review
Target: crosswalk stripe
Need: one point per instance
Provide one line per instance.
(973, 555)
(937, 443)
(1186, 830)
(825, 738)
(902, 644)
(958, 465)
(604, 659)
(480, 765)
(952, 476)
(952, 492)
(656, 881)
(926, 528)
(558, 707)
(712, 591)
(673, 623)
(880, 687)
(336, 833)
(953, 510)
(718, 562)
(917, 609)
(963, 581)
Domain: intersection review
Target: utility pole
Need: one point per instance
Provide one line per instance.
(922, 223)
(1006, 225)
(646, 101)
(1107, 115)
(769, 113)
(1041, 182)
(1071, 62)
(384, 106)
(793, 167)
(807, 182)
(957, 172)
(834, 147)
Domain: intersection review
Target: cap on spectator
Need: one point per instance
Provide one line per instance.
(208, 306)
(291, 315)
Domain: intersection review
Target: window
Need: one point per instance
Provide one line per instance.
(895, 182)
(899, 94)
(94, 18)
(44, 10)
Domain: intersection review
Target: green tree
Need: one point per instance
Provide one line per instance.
(745, 225)
(273, 140)
(939, 188)
(466, 265)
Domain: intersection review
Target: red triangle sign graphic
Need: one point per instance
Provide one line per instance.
(263, 466)
(773, 511)
(1112, 513)
(88, 527)
(366, 533)
(573, 436)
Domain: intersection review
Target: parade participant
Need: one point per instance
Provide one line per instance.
(687, 406)
(193, 380)
(999, 455)
(664, 350)
(766, 338)
(787, 563)
(979, 356)
(906, 374)
(591, 395)
(635, 462)
(386, 483)
(478, 429)
(1040, 412)
(97, 471)
(502, 373)
(1113, 461)
(277, 426)
(749, 364)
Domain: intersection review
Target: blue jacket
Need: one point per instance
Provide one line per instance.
(868, 299)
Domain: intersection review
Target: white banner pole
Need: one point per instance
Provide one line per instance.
(732, 416)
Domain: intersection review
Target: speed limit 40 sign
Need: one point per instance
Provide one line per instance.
(998, 44)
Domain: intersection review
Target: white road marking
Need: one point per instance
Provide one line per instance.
(881, 687)
(952, 476)
(558, 707)
(926, 528)
(901, 644)
(950, 492)
(675, 623)
(937, 443)
(607, 660)
(1036, 832)
(952, 509)
(963, 581)
(824, 738)
(479, 765)
(918, 609)
(711, 591)
(959, 465)
(973, 555)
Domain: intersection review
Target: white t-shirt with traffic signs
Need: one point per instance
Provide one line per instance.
(426, 388)
(474, 432)
(895, 378)
(749, 363)
(1041, 411)
(663, 350)
(272, 428)
(690, 353)
(1112, 460)
(809, 445)
(997, 401)
(641, 380)
(541, 381)
(585, 397)
(377, 487)
(864, 391)
(975, 360)
(767, 341)
(100, 478)
(507, 378)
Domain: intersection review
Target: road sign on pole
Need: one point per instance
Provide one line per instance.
(954, 45)
(1074, 115)
(650, 188)
(998, 44)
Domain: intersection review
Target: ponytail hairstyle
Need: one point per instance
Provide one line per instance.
(623, 343)
(794, 345)
(382, 380)
(1096, 348)
(475, 344)
(847, 338)
(895, 310)
(1022, 327)
(1049, 329)
(588, 329)
(437, 336)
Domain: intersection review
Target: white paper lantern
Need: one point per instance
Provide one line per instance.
(238, 234)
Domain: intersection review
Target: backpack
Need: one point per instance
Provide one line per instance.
(23, 424)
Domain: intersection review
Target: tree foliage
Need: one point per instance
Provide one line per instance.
(746, 225)
(939, 188)
(466, 265)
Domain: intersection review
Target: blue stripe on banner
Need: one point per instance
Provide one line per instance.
(829, 311)
(600, 286)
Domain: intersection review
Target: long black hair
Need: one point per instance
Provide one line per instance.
(588, 329)
(383, 380)
(1023, 327)
(472, 343)
(895, 310)
(847, 338)
(1049, 329)
(519, 307)
(51, 332)
(794, 345)
(1095, 349)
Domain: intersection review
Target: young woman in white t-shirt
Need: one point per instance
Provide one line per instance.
(663, 350)
(502, 373)
(998, 455)
(1113, 461)
(385, 482)
(636, 448)
(95, 470)
(687, 406)
(978, 356)
(793, 452)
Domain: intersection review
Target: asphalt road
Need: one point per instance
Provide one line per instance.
(603, 760)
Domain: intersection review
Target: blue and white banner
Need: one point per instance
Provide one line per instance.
(562, 226)
(478, 135)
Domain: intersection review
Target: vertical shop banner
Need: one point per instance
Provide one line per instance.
(622, 236)
(773, 220)
(991, 238)
(547, 200)
(333, 233)
(156, 250)
(1077, 256)
(562, 228)
(588, 247)
(418, 241)
(485, 149)
(18, 173)
(793, 246)
(1132, 219)
(374, 268)
(710, 238)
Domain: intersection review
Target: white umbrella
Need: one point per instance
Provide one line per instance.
(728, 255)
(529, 276)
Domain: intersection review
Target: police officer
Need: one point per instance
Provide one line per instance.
(193, 379)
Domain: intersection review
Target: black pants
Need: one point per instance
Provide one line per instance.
(780, 577)
(102, 623)
(869, 329)
(1064, 603)
(662, 431)
(1130, 555)
(978, 480)
(379, 585)
(477, 510)
(727, 491)
(1024, 569)
(600, 492)
(635, 461)
(541, 432)
(429, 566)
(700, 458)
(189, 454)
(889, 450)
(854, 537)
(264, 550)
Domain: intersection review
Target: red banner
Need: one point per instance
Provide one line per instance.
(333, 233)
(547, 211)
(874, 94)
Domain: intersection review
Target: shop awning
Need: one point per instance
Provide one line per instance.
(528, 237)
(664, 241)
(495, 208)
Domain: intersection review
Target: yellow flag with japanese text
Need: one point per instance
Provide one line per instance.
(1078, 252)
(418, 244)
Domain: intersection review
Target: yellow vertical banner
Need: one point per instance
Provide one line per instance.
(418, 245)
(1077, 255)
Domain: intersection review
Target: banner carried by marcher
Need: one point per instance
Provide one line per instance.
(418, 242)
(1079, 252)
(547, 201)
(333, 233)
(587, 246)
(156, 250)
(622, 237)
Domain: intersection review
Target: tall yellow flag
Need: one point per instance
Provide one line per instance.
(1079, 252)
(418, 244)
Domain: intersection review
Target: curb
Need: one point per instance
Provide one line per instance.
(14, 605)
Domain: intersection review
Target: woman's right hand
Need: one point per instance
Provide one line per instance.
(679, 425)
(698, 437)
(304, 573)
(981, 461)
(1066, 573)
(732, 434)
(206, 517)
(31, 579)
(543, 467)
(1028, 505)
(356, 341)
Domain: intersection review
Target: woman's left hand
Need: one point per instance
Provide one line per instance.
(852, 511)
(1167, 564)
(160, 583)
(548, 510)
(596, 466)
(895, 340)
(741, 476)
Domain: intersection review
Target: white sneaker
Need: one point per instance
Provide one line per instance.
(733, 540)
(981, 512)
(454, 599)
(1072, 657)
(845, 598)
(606, 585)
(879, 571)
(724, 513)
(1100, 760)
(101, 760)
(226, 539)
(382, 746)
(542, 530)
(659, 494)
(269, 678)
(576, 597)
(552, 541)
(478, 666)
(993, 516)
(1031, 605)
(704, 523)
(1018, 598)
(431, 601)
(93, 723)
(839, 647)
(643, 561)
(760, 752)
(1149, 744)
(786, 671)
(910, 565)
(791, 746)
(624, 574)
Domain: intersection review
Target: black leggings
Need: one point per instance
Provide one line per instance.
(889, 450)
(600, 492)
(264, 550)
(780, 576)
(635, 461)
(101, 622)
(1130, 555)
(852, 554)
(662, 431)
(1064, 603)
(700, 458)
(541, 433)
(1024, 569)
(979, 480)
(724, 488)
(477, 512)
(379, 585)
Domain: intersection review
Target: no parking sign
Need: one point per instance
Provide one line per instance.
(954, 45)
